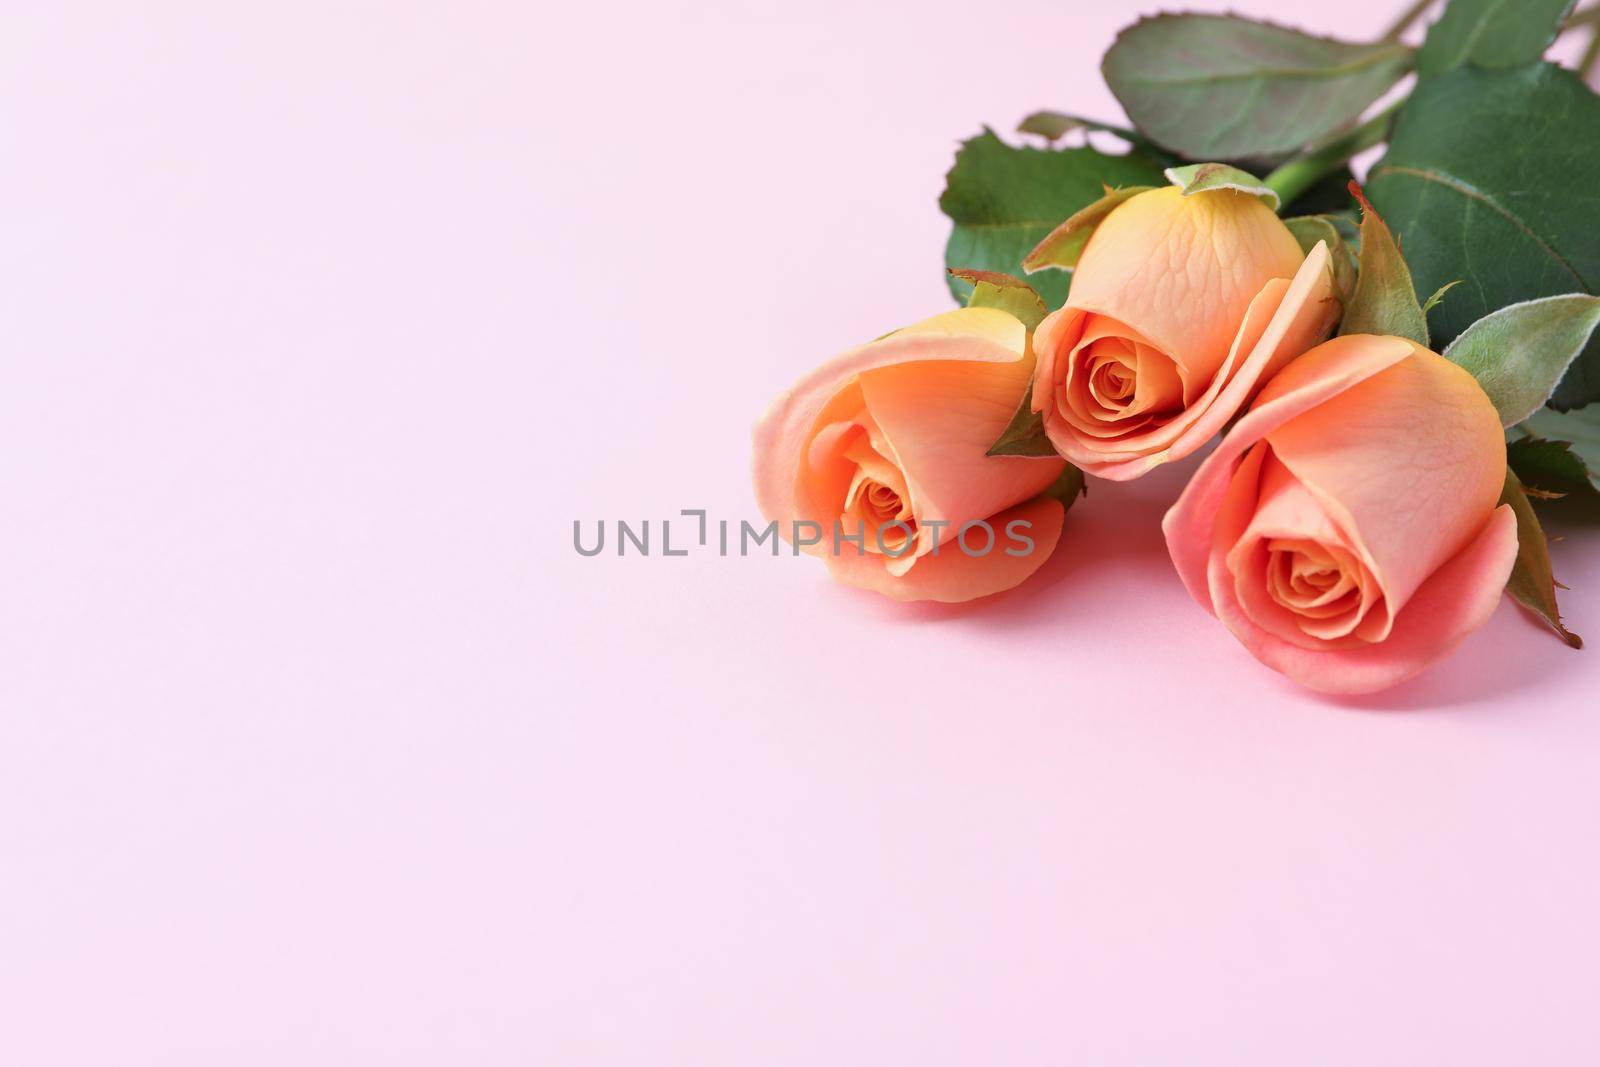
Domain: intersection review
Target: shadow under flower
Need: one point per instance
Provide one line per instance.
(1113, 527)
(1515, 655)
(1112, 550)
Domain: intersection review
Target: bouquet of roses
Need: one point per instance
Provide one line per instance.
(1384, 417)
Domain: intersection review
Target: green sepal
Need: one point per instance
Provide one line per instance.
(1532, 584)
(1195, 178)
(1384, 301)
(992, 289)
(1309, 230)
(1063, 245)
(1067, 487)
(1024, 435)
(1438, 296)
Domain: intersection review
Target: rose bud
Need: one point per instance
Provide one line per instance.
(1346, 530)
(876, 462)
(1180, 307)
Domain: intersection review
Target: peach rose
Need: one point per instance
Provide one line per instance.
(887, 442)
(1181, 306)
(1346, 529)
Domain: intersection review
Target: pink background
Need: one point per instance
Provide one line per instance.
(319, 744)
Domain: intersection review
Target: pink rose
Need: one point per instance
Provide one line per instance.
(887, 443)
(1181, 306)
(1346, 530)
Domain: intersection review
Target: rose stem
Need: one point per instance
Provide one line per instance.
(1298, 175)
(1410, 15)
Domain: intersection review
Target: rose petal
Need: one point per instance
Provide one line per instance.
(1455, 600)
(1324, 372)
(1182, 270)
(782, 435)
(1282, 321)
(939, 419)
(1216, 508)
(1053, 341)
(953, 576)
(1284, 509)
(1386, 460)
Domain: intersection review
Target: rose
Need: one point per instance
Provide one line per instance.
(1180, 307)
(886, 443)
(1346, 530)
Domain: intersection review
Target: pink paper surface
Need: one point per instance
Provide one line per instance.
(319, 743)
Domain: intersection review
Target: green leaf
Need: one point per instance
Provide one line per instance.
(991, 289)
(1531, 584)
(1311, 229)
(1051, 125)
(1519, 352)
(1490, 178)
(1024, 435)
(1384, 301)
(1063, 245)
(1491, 33)
(1547, 467)
(1209, 177)
(1054, 125)
(1223, 87)
(1004, 200)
